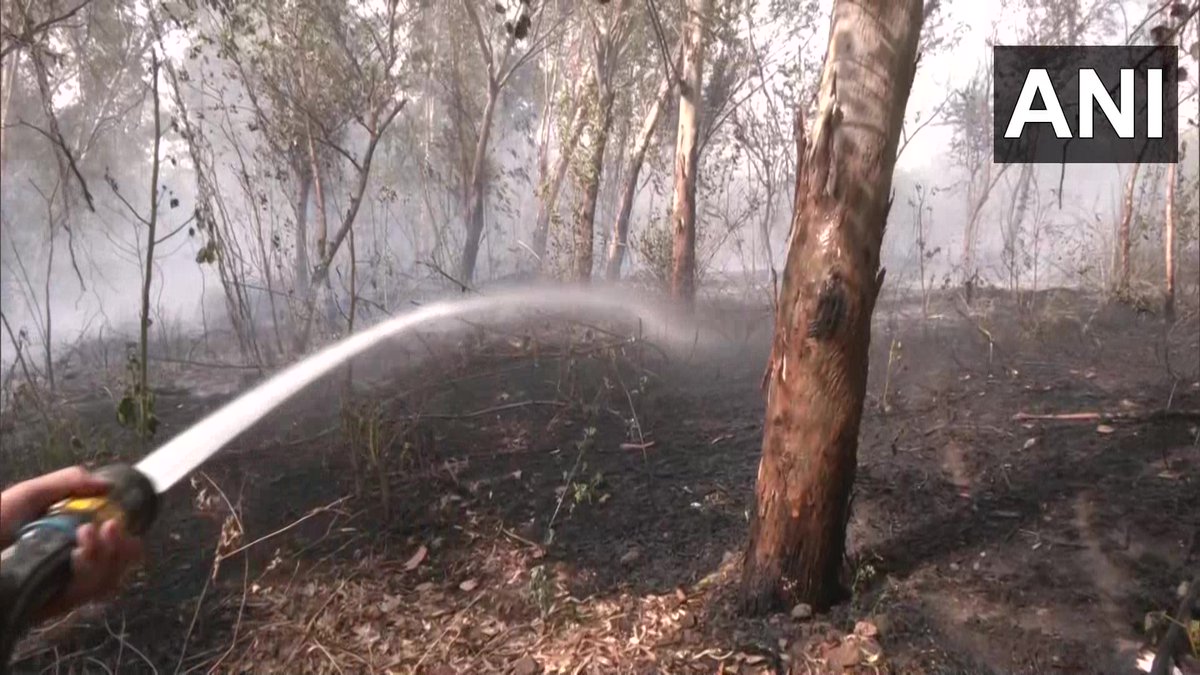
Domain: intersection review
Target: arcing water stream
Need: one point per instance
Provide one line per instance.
(183, 453)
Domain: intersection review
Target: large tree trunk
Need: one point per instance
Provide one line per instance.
(302, 264)
(818, 370)
(620, 232)
(1124, 243)
(319, 198)
(585, 217)
(549, 197)
(475, 189)
(1169, 246)
(8, 82)
(687, 153)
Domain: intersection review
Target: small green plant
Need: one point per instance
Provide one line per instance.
(655, 245)
(569, 483)
(865, 572)
(135, 410)
(370, 440)
(587, 492)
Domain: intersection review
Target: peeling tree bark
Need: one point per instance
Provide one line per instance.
(817, 375)
(1169, 246)
(687, 153)
(585, 216)
(475, 190)
(319, 197)
(1124, 243)
(302, 263)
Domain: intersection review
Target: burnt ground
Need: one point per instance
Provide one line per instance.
(533, 523)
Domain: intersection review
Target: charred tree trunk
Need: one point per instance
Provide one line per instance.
(687, 153)
(620, 232)
(550, 191)
(475, 189)
(817, 375)
(1124, 242)
(585, 217)
(1169, 246)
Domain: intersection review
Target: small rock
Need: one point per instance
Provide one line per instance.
(1105, 429)
(527, 666)
(1030, 443)
(469, 585)
(802, 611)
(845, 655)
(631, 556)
(866, 629)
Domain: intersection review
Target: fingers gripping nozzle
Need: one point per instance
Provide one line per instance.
(36, 568)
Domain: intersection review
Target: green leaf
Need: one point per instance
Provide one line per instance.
(126, 410)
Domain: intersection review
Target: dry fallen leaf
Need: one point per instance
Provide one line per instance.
(390, 603)
(1030, 443)
(1105, 429)
(416, 559)
(866, 629)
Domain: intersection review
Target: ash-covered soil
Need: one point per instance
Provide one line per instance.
(559, 499)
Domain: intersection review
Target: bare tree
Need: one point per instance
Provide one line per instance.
(1124, 241)
(607, 37)
(500, 66)
(551, 185)
(619, 238)
(687, 151)
(816, 380)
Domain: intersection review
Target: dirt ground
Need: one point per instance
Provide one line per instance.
(583, 510)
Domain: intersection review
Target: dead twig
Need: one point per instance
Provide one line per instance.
(124, 643)
(308, 626)
(1099, 416)
(265, 537)
(1177, 634)
(462, 285)
(493, 409)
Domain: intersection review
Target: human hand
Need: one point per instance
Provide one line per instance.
(102, 555)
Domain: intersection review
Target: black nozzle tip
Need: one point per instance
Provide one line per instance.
(135, 494)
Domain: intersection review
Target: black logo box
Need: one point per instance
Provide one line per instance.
(1038, 144)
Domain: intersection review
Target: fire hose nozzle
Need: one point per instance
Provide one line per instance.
(36, 568)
